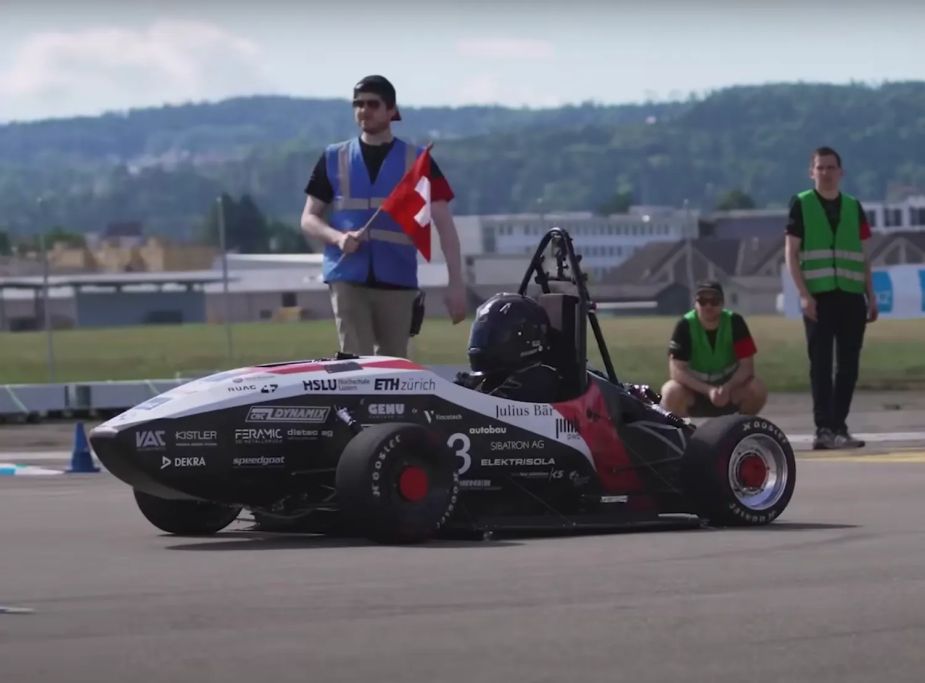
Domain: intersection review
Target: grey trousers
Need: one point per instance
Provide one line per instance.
(372, 321)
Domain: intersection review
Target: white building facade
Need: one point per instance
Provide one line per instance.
(603, 241)
(895, 216)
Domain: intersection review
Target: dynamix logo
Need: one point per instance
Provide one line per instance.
(883, 287)
(150, 440)
(303, 414)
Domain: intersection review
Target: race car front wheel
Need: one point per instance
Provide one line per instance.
(185, 517)
(397, 483)
(739, 471)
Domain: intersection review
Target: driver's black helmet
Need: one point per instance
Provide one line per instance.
(510, 331)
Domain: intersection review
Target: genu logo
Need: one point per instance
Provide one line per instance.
(150, 439)
(386, 409)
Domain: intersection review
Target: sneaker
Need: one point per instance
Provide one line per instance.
(825, 440)
(844, 440)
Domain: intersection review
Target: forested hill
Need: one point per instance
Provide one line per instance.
(163, 166)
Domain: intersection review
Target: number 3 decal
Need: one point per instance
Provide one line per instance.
(462, 451)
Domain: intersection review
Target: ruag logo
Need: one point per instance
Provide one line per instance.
(196, 438)
(258, 436)
(241, 388)
(288, 414)
(150, 440)
(319, 385)
(386, 409)
(883, 288)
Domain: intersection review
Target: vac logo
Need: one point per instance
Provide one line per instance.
(303, 414)
(883, 288)
(150, 440)
(319, 384)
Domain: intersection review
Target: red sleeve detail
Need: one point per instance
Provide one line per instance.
(745, 348)
(440, 190)
(865, 230)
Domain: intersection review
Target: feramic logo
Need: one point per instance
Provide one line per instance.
(319, 384)
(253, 436)
(288, 414)
(152, 439)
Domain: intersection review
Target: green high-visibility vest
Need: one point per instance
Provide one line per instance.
(831, 261)
(712, 363)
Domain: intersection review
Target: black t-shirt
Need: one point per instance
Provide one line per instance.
(319, 185)
(832, 209)
(680, 347)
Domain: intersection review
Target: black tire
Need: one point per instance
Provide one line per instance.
(185, 517)
(369, 492)
(724, 462)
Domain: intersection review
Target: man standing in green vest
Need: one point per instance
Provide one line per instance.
(827, 259)
(711, 361)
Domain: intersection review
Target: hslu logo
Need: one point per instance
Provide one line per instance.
(150, 439)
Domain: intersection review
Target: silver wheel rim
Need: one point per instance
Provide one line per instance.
(754, 456)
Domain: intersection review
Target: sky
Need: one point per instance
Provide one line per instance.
(82, 57)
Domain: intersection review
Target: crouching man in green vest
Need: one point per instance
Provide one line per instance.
(711, 361)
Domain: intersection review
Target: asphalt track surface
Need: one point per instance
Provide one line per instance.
(833, 591)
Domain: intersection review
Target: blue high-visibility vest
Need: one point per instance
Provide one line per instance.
(388, 251)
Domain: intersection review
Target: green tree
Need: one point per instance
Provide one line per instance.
(619, 202)
(6, 247)
(735, 199)
(246, 229)
(287, 239)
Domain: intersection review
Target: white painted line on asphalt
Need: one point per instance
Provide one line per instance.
(869, 437)
(10, 470)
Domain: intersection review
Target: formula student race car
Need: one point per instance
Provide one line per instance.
(385, 448)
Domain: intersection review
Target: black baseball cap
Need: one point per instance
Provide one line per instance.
(710, 287)
(379, 85)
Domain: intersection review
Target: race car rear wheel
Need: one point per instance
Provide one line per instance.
(397, 483)
(185, 517)
(739, 471)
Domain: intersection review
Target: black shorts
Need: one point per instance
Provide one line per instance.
(703, 407)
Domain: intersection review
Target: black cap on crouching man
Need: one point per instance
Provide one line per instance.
(710, 287)
(379, 85)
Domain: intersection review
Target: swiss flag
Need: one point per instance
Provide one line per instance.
(409, 203)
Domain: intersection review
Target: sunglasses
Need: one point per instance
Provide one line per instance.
(709, 301)
(368, 104)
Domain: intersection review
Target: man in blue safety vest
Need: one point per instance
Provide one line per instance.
(372, 273)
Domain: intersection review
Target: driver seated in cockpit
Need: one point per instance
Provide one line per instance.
(508, 346)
